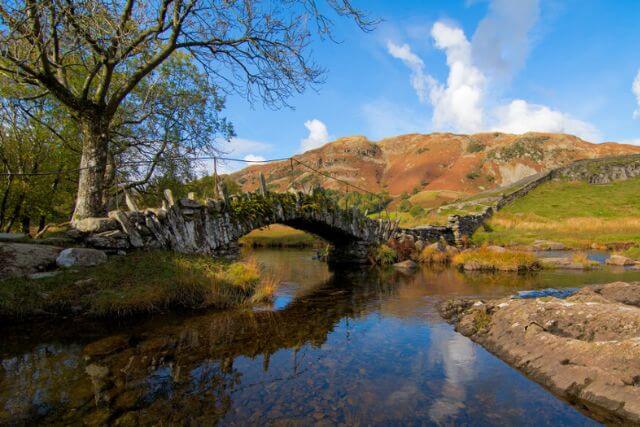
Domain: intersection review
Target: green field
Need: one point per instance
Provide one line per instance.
(577, 214)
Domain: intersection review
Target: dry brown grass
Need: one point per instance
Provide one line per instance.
(434, 256)
(575, 232)
(582, 259)
(532, 222)
(486, 259)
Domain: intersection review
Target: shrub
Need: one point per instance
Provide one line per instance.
(416, 211)
(487, 259)
(434, 256)
(385, 255)
(633, 253)
(473, 175)
(404, 248)
(475, 147)
(404, 206)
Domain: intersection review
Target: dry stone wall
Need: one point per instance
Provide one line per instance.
(214, 227)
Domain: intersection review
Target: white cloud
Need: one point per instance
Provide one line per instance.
(318, 135)
(253, 158)
(501, 48)
(501, 41)
(635, 88)
(519, 116)
(419, 80)
(457, 105)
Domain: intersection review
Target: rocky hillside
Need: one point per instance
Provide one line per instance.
(435, 167)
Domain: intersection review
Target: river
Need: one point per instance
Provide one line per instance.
(348, 347)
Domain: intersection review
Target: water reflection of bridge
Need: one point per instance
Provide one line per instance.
(192, 368)
(170, 367)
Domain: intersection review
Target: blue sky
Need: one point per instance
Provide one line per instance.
(463, 66)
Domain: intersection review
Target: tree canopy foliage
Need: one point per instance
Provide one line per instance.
(118, 68)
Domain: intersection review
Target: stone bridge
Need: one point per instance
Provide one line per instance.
(214, 227)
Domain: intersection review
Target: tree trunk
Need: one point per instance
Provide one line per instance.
(5, 198)
(93, 163)
(16, 212)
(42, 223)
(25, 221)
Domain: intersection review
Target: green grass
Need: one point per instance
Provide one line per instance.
(577, 214)
(633, 253)
(277, 235)
(141, 282)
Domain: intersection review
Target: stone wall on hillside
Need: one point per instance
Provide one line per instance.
(601, 171)
(593, 171)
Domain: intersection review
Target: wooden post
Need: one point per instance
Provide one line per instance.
(216, 193)
(292, 174)
(222, 188)
(191, 195)
(131, 203)
(263, 184)
(168, 195)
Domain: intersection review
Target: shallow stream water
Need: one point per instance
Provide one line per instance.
(354, 346)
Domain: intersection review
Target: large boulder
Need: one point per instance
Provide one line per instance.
(619, 260)
(548, 245)
(584, 348)
(21, 259)
(80, 257)
(96, 225)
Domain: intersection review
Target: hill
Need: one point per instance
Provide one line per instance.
(575, 213)
(432, 169)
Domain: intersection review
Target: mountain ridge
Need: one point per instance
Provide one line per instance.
(448, 164)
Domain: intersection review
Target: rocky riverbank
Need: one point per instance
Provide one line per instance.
(585, 348)
(39, 281)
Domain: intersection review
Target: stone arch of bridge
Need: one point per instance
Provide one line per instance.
(323, 231)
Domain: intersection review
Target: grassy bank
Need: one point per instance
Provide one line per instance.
(138, 283)
(279, 236)
(488, 259)
(577, 214)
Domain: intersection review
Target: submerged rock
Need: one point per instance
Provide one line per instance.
(548, 245)
(406, 265)
(106, 346)
(584, 348)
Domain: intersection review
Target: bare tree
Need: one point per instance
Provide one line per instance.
(91, 54)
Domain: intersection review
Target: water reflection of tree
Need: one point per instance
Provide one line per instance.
(175, 370)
